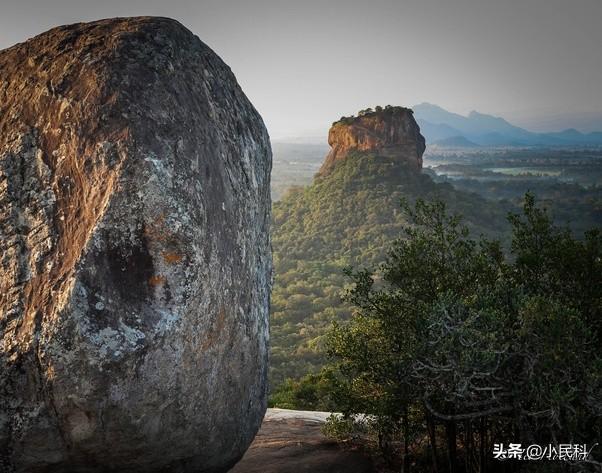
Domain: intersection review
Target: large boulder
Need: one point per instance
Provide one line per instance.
(135, 253)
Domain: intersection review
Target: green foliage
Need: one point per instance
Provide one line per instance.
(348, 218)
(342, 429)
(566, 181)
(312, 392)
(452, 331)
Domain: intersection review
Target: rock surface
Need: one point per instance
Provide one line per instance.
(136, 266)
(292, 442)
(390, 132)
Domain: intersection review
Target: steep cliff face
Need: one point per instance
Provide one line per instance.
(390, 132)
(135, 271)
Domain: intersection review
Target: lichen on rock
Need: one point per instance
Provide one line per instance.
(136, 265)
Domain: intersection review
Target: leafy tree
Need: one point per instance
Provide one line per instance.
(453, 334)
(312, 392)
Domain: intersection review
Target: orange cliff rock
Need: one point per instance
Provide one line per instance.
(390, 132)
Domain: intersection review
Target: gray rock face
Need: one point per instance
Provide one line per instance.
(135, 253)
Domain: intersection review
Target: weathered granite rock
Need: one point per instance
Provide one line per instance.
(136, 267)
(390, 132)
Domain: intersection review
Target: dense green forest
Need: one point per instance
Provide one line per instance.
(448, 319)
(347, 218)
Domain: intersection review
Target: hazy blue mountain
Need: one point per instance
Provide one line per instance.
(474, 124)
(574, 135)
(437, 131)
(437, 124)
(457, 141)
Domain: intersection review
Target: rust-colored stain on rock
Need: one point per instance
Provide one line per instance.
(156, 280)
(171, 257)
(216, 330)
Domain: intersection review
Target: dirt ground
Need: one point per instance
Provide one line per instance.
(291, 442)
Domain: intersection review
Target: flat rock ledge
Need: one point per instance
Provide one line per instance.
(291, 441)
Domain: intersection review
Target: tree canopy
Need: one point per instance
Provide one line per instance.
(452, 337)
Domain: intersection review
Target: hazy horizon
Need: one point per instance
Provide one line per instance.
(535, 63)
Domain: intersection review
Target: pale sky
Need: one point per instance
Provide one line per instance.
(304, 63)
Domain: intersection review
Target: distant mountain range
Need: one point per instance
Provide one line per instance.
(477, 129)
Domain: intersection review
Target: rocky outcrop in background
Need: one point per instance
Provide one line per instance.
(390, 132)
(135, 270)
